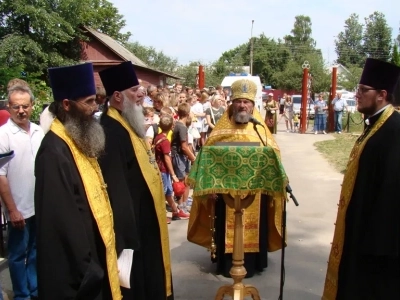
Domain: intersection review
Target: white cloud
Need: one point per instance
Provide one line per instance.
(202, 30)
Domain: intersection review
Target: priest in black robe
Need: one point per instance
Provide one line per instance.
(76, 257)
(364, 262)
(135, 187)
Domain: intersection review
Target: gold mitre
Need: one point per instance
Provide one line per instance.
(244, 88)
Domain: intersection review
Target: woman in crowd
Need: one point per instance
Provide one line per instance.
(271, 107)
(288, 113)
(320, 108)
(214, 113)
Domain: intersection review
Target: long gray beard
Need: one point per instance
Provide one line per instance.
(241, 118)
(88, 135)
(133, 114)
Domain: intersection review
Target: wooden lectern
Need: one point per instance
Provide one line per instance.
(257, 170)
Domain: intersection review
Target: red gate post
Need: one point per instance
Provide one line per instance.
(304, 98)
(201, 77)
(331, 121)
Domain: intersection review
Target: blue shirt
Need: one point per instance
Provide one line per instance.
(319, 107)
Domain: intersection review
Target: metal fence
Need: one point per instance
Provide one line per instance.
(353, 122)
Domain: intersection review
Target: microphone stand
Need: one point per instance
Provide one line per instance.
(290, 192)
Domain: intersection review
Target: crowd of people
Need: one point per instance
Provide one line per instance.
(87, 191)
(292, 119)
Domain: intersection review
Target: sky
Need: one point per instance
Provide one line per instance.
(192, 30)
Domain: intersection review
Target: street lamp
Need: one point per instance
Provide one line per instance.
(251, 48)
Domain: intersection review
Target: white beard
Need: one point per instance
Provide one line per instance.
(133, 114)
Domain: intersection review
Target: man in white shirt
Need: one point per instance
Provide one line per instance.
(339, 105)
(17, 185)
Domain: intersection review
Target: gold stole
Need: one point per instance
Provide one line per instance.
(199, 223)
(332, 274)
(96, 193)
(153, 179)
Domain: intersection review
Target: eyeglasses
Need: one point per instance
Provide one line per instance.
(362, 90)
(18, 107)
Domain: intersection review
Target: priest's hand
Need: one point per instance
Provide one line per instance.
(16, 218)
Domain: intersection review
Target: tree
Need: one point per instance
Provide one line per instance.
(395, 56)
(188, 73)
(104, 16)
(349, 46)
(153, 58)
(300, 42)
(377, 37)
(291, 77)
(38, 34)
(269, 57)
(398, 38)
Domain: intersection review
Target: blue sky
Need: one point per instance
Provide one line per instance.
(192, 30)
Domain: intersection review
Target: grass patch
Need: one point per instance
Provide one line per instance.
(351, 123)
(337, 151)
(355, 121)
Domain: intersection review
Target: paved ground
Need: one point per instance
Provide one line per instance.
(316, 186)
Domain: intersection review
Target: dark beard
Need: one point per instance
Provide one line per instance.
(85, 131)
(241, 118)
(133, 114)
(368, 111)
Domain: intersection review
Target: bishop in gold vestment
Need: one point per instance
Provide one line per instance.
(262, 219)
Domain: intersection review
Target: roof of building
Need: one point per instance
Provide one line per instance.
(122, 52)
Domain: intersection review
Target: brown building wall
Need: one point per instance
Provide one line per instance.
(94, 50)
(102, 57)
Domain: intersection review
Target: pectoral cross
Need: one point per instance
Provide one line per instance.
(152, 159)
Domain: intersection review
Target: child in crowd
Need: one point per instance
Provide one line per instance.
(162, 148)
(154, 129)
(148, 116)
(182, 156)
(296, 122)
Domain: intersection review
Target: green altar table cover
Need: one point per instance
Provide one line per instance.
(237, 170)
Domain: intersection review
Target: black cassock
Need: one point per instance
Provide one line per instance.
(71, 261)
(253, 262)
(370, 264)
(135, 220)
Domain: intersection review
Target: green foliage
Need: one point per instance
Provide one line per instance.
(321, 79)
(290, 78)
(377, 37)
(188, 73)
(395, 56)
(6, 74)
(153, 58)
(104, 16)
(349, 46)
(300, 41)
(41, 33)
(43, 95)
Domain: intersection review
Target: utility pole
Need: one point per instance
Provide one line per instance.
(251, 48)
